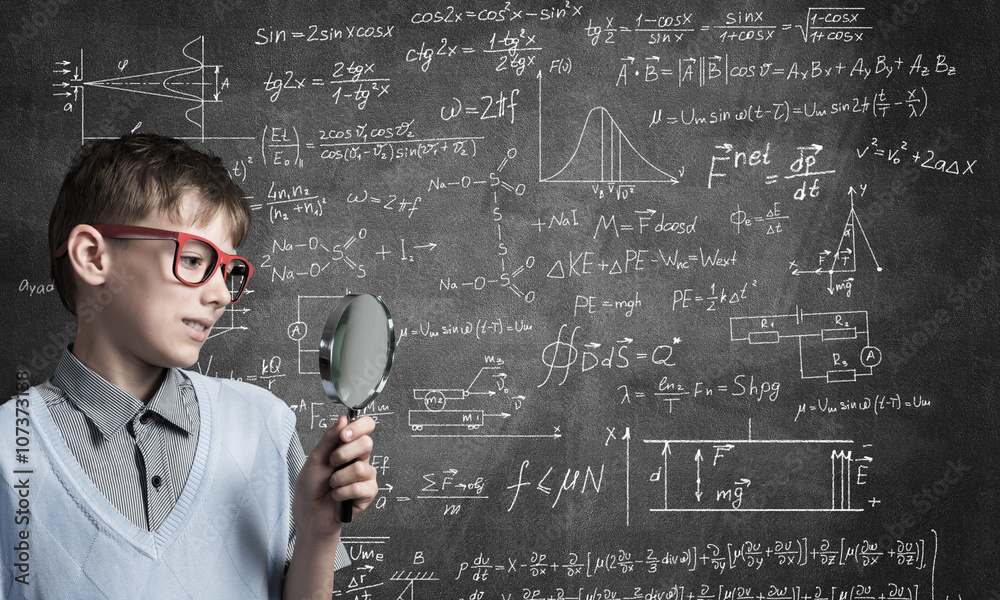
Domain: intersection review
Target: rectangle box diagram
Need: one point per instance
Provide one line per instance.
(763, 337)
(842, 376)
(436, 415)
(470, 419)
(847, 333)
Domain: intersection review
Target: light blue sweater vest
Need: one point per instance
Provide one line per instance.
(226, 537)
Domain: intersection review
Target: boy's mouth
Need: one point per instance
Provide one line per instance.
(195, 325)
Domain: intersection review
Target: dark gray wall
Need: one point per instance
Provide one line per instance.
(692, 301)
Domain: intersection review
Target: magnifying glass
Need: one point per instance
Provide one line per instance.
(355, 354)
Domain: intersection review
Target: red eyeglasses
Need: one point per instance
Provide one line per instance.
(195, 258)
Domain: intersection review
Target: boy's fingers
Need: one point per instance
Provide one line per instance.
(355, 443)
(358, 428)
(358, 449)
(329, 441)
(357, 472)
(359, 490)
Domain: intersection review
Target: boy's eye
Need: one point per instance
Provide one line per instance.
(191, 262)
(195, 258)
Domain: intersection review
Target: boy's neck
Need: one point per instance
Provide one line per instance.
(134, 377)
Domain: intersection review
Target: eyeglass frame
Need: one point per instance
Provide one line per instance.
(135, 232)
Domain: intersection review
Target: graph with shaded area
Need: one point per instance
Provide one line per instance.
(604, 154)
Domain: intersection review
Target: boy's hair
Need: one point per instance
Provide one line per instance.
(122, 181)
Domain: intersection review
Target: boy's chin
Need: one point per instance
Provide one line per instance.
(180, 361)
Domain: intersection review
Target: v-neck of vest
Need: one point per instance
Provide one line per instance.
(76, 482)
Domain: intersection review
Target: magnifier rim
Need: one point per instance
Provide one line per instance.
(326, 368)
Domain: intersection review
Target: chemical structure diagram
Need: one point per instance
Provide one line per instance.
(507, 275)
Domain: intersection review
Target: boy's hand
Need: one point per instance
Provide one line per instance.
(324, 482)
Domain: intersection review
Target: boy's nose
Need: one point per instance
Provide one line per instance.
(216, 291)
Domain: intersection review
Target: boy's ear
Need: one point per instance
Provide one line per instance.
(88, 252)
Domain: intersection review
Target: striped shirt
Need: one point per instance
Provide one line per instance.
(138, 455)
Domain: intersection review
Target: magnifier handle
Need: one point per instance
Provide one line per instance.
(347, 506)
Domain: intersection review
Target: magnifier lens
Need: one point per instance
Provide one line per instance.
(355, 354)
(360, 351)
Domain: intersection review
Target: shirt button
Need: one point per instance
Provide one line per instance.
(156, 481)
(145, 418)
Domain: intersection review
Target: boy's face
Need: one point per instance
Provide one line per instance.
(155, 319)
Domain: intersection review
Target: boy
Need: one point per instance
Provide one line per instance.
(144, 480)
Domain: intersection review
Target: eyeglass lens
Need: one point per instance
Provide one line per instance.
(197, 260)
(236, 277)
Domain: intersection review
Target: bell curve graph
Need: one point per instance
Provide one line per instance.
(603, 154)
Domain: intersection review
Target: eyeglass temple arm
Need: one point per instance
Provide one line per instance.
(124, 232)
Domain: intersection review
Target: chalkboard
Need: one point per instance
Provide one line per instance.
(693, 300)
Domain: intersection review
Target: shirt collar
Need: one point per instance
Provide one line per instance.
(169, 403)
(108, 406)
